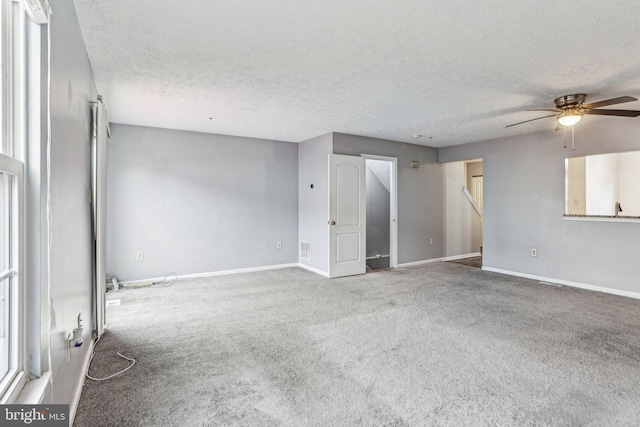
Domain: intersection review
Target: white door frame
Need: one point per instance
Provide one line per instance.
(99, 138)
(393, 235)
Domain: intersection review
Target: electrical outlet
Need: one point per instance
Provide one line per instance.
(139, 256)
(430, 242)
(534, 252)
(279, 245)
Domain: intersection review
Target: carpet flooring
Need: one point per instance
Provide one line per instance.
(442, 345)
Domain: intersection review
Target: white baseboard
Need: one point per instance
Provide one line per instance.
(445, 258)
(210, 274)
(73, 408)
(463, 256)
(629, 294)
(378, 257)
(314, 270)
(423, 262)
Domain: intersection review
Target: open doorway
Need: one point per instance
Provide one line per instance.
(381, 190)
(475, 184)
(463, 207)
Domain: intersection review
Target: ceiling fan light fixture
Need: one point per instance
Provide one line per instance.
(570, 109)
(569, 118)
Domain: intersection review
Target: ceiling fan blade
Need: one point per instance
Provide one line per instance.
(545, 109)
(559, 127)
(527, 121)
(621, 113)
(612, 101)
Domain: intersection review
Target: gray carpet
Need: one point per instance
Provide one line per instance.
(442, 344)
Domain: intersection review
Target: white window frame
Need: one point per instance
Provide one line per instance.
(16, 379)
(13, 111)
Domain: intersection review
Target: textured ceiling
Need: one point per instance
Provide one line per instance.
(454, 71)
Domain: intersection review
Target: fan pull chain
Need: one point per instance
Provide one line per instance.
(565, 137)
(573, 138)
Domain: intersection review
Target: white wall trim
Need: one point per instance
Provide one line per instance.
(465, 190)
(446, 258)
(213, 273)
(76, 396)
(313, 270)
(34, 391)
(619, 292)
(463, 256)
(600, 218)
(423, 262)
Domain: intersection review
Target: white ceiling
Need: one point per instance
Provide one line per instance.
(455, 71)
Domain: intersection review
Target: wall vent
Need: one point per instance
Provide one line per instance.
(305, 250)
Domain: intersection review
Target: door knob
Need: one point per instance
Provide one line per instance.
(332, 223)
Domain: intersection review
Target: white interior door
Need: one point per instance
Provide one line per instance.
(347, 215)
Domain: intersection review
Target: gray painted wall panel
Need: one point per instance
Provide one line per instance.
(420, 193)
(313, 163)
(524, 202)
(72, 91)
(198, 203)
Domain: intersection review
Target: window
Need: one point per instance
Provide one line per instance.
(5, 273)
(12, 284)
(11, 274)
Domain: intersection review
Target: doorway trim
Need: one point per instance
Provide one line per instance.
(99, 140)
(393, 235)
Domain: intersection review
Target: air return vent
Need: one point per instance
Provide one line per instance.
(305, 250)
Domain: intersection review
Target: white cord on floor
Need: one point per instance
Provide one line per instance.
(93, 352)
(165, 282)
(133, 362)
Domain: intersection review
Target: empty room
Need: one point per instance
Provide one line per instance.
(319, 213)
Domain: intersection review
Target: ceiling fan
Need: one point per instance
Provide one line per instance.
(570, 109)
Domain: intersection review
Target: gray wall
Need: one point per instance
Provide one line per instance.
(524, 186)
(198, 203)
(313, 164)
(378, 213)
(420, 193)
(72, 90)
